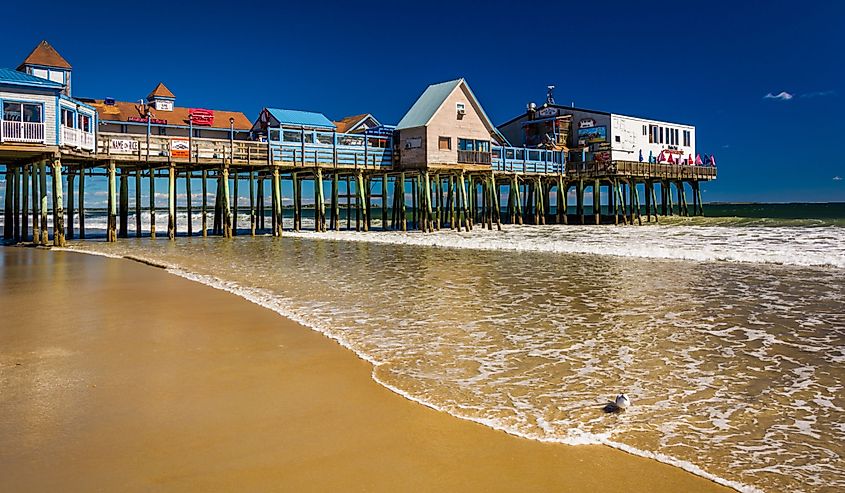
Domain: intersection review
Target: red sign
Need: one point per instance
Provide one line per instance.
(141, 119)
(202, 118)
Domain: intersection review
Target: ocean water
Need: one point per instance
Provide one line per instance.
(727, 333)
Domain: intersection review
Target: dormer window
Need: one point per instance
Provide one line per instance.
(461, 109)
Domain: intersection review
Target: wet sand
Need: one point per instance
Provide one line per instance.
(115, 376)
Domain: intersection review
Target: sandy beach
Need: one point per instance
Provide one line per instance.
(116, 376)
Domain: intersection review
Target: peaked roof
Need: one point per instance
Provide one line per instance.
(161, 91)
(433, 98)
(122, 111)
(45, 55)
(15, 78)
(427, 104)
(300, 118)
(349, 123)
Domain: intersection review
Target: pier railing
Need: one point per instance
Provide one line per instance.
(640, 170)
(524, 160)
(76, 137)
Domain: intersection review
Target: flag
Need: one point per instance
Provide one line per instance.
(671, 158)
(713, 160)
(698, 160)
(661, 157)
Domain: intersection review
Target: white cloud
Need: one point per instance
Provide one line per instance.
(837, 178)
(783, 96)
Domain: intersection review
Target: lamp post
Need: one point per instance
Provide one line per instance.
(231, 138)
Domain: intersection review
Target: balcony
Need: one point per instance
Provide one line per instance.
(473, 157)
(76, 137)
(26, 132)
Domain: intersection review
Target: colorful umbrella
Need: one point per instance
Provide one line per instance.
(661, 157)
(698, 160)
(641, 155)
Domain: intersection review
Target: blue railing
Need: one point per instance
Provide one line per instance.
(309, 148)
(524, 160)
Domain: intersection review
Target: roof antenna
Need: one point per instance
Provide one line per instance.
(550, 97)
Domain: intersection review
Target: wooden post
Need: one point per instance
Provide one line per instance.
(296, 196)
(16, 203)
(204, 207)
(429, 210)
(335, 201)
(403, 213)
(597, 201)
(669, 197)
(137, 201)
(700, 203)
(36, 230)
(235, 196)
(171, 202)
(319, 202)
(189, 199)
(58, 199)
(8, 222)
(111, 223)
(152, 199)
(384, 202)
(123, 232)
(654, 202)
(497, 213)
(260, 203)
(252, 222)
(541, 198)
(226, 203)
(580, 201)
(362, 198)
(70, 204)
(277, 211)
(636, 193)
(647, 185)
(25, 203)
(464, 202)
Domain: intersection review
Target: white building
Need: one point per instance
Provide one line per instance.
(600, 134)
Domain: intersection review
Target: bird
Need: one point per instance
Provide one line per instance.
(622, 401)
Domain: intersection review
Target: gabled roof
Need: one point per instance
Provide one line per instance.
(427, 104)
(433, 98)
(300, 118)
(46, 56)
(15, 78)
(161, 91)
(350, 123)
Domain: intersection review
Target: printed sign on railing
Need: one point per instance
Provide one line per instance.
(180, 148)
(123, 146)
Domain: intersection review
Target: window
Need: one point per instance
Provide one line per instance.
(676, 137)
(292, 136)
(273, 134)
(68, 118)
(22, 112)
(84, 123)
(661, 134)
(687, 138)
(466, 144)
(461, 107)
(645, 132)
(618, 139)
(162, 130)
(652, 134)
(444, 143)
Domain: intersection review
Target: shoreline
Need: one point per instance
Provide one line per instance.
(518, 463)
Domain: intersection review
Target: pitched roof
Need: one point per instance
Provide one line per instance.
(15, 78)
(45, 55)
(121, 111)
(160, 91)
(348, 123)
(433, 98)
(427, 104)
(300, 118)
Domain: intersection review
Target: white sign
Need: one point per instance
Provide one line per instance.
(413, 143)
(546, 112)
(587, 123)
(123, 146)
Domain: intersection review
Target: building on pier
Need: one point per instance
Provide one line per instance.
(158, 115)
(39, 116)
(601, 136)
(356, 124)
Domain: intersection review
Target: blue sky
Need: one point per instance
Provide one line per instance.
(706, 63)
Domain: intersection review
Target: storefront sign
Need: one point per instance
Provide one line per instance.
(141, 119)
(201, 118)
(586, 123)
(547, 112)
(592, 135)
(180, 148)
(123, 146)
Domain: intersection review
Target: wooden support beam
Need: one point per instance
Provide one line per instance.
(16, 203)
(597, 201)
(235, 196)
(260, 203)
(137, 202)
(363, 198)
(152, 199)
(319, 202)
(384, 201)
(70, 205)
(252, 217)
(226, 203)
(25, 203)
(123, 209)
(9, 197)
(36, 202)
(111, 222)
(580, 201)
(189, 201)
(43, 206)
(204, 206)
(278, 212)
(497, 213)
(335, 219)
(58, 207)
(171, 202)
